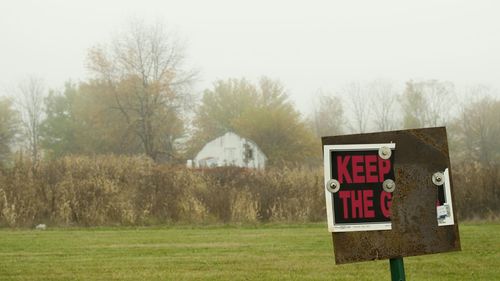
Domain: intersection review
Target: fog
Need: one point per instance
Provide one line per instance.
(209, 112)
(308, 46)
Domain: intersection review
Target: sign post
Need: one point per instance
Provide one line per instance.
(397, 269)
(389, 195)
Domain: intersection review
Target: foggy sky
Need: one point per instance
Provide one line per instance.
(308, 45)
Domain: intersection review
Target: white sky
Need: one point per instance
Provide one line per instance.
(308, 45)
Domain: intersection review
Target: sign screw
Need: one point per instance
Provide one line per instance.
(437, 178)
(333, 185)
(384, 152)
(389, 185)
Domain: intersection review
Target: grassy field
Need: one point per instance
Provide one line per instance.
(269, 252)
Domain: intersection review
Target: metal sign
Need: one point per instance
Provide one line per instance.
(389, 195)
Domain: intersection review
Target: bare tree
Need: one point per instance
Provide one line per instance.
(327, 116)
(427, 103)
(383, 99)
(477, 130)
(440, 101)
(359, 106)
(29, 99)
(144, 69)
(9, 127)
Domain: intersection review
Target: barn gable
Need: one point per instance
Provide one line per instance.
(230, 150)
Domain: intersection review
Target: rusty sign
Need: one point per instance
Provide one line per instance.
(389, 194)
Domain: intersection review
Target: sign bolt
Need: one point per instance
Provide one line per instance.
(384, 152)
(333, 185)
(389, 185)
(437, 178)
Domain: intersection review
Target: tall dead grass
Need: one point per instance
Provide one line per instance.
(477, 190)
(124, 190)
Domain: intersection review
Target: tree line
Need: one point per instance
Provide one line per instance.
(139, 100)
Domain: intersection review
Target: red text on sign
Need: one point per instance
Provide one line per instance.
(364, 168)
(360, 203)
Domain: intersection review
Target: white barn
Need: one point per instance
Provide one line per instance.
(230, 150)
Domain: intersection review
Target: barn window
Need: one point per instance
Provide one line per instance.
(248, 153)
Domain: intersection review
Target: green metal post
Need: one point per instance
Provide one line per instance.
(397, 269)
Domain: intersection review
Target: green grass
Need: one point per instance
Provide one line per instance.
(269, 252)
